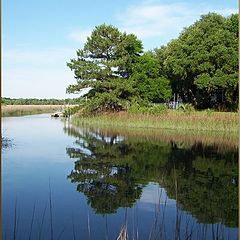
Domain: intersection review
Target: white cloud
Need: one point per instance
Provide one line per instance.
(37, 73)
(227, 12)
(45, 56)
(154, 194)
(80, 35)
(151, 19)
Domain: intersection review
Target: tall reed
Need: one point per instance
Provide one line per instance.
(42, 221)
(20, 110)
(50, 210)
(184, 230)
(195, 121)
(31, 226)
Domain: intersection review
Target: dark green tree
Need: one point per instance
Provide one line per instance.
(203, 62)
(147, 78)
(105, 64)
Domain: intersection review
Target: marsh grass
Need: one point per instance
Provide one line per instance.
(34, 220)
(50, 210)
(15, 221)
(42, 221)
(222, 140)
(182, 228)
(123, 233)
(171, 119)
(20, 110)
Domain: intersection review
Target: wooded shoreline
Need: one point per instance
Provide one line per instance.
(170, 119)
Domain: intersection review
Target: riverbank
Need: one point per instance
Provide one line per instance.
(20, 110)
(220, 140)
(171, 119)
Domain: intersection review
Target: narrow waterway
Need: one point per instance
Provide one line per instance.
(64, 182)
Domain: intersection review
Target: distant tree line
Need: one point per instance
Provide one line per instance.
(35, 101)
(200, 67)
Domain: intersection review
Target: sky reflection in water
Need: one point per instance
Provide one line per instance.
(101, 180)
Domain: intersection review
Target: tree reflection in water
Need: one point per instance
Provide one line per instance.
(102, 174)
(111, 170)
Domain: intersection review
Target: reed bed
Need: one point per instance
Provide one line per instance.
(171, 119)
(182, 227)
(20, 110)
(221, 140)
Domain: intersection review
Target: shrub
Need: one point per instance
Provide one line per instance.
(153, 109)
(71, 110)
(157, 109)
(187, 108)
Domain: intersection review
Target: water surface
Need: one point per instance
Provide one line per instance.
(64, 182)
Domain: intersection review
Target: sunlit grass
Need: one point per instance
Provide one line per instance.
(20, 110)
(178, 120)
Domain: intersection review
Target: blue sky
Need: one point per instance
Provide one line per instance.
(39, 37)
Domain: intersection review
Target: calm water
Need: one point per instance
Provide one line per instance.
(63, 182)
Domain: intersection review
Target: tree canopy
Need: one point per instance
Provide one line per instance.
(203, 62)
(200, 66)
(105, 64)
(151, 86)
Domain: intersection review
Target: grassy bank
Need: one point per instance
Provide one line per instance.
(177, 120)
(221, 140)
(20, 110)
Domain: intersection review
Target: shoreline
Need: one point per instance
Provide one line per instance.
(21, 110)
(222, 140)
(226, 122)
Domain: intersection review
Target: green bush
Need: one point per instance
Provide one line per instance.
(69, 111)
(187, 108)
(153, 109)
(134, 108)
(157, 109)
(209, 112)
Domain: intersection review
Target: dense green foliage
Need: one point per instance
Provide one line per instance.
(35, 101)
(111, 64)
(203, 62)
(200, 67)
(151, 86)
(105, 64)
